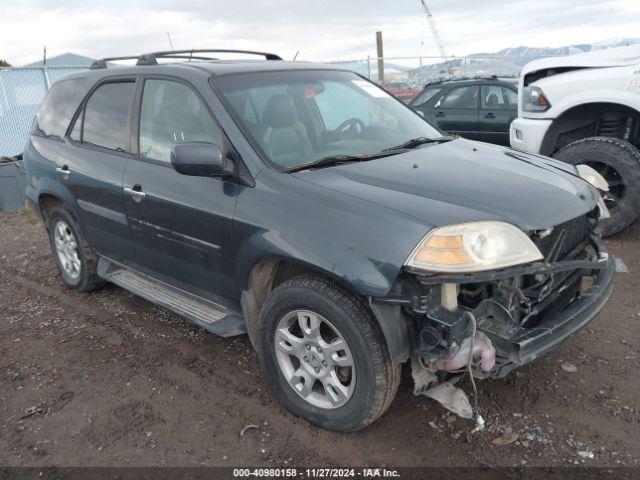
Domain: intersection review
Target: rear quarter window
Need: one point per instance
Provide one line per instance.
(58, 107)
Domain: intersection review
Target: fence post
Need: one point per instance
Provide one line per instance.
(369, 67)
(47, 80)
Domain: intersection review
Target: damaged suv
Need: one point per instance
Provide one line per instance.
(306, 206)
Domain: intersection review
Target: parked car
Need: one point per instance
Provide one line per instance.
(586, 109)
(477, 109)
(306, 206)
(402, 90)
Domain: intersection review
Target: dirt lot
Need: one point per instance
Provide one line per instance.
(109, 379)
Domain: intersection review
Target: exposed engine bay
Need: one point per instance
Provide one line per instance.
(488, 323)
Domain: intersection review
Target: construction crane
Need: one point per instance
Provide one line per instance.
(436, 36)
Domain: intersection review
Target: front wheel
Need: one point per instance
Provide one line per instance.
(324, 355)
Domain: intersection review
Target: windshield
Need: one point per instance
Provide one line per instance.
(299, 117)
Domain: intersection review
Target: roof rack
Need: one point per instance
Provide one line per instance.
(102, 63)
(152, 58)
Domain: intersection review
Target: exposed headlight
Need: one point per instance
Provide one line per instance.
(588, 174)
(533, 100)
(593, 177)
(473, 247)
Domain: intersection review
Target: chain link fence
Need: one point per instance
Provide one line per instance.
(21, 91)
(418, 71)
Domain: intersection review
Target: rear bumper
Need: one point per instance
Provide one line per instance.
(530, 344)
(527, 134)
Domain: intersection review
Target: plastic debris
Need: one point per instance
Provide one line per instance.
(451, 398)
(569, 367)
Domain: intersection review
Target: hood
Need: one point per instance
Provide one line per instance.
(608, 57)
(463, 181)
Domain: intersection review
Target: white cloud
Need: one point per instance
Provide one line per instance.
(332, 29)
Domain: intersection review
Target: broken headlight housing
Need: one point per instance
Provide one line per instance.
(591, 176)
(473, 247)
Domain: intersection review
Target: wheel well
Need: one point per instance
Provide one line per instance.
(590, 120)
(46, 202)
(265, 276)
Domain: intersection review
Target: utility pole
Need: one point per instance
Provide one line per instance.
(380, 58)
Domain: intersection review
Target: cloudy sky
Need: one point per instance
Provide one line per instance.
(319, 29)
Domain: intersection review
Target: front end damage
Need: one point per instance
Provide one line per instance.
(489, 323)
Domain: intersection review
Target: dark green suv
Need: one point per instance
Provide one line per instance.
(307, 207)
(477, 109)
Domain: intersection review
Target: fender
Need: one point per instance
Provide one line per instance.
(621, 97)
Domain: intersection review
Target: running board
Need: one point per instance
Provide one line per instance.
(211, 316)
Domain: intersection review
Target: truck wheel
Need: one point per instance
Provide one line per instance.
(324, 355)
(73, 255)
(618, 162)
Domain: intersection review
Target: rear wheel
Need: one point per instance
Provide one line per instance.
(73, 255)
(618, 162)
(324, 355)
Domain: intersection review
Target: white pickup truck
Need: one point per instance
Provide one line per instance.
(585, 108)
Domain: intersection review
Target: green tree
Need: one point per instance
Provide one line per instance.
(4, 63)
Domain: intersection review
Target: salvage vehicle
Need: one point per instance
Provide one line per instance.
(478, 108)
(402, 90)
(304, 205)
(585, 109)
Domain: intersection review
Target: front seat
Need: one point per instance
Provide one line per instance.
(492, 101)
(285, 138)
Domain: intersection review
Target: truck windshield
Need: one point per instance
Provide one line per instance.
(299, 117)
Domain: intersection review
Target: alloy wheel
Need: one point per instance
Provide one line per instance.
(315, 359)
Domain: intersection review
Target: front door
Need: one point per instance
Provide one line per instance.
(181, 225)
(457, 112)
(498, 108)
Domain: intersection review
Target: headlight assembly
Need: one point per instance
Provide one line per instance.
(473, 247)
(588, 174)
(534, 100)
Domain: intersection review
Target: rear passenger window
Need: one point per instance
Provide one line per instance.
(59, 106)
(172, 113)
(106, 116)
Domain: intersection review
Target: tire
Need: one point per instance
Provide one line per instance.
(85, 277)
(619, 162)
(375, 377)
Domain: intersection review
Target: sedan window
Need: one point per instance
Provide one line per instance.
(461, 97)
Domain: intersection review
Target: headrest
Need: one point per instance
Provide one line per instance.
(280, 112)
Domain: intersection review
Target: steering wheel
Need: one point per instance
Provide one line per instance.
(350, 128)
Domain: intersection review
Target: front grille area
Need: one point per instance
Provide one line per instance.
(569, 234)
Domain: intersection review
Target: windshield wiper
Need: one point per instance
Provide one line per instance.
(333, 160)
(416, 142)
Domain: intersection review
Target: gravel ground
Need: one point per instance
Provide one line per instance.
(109, 379)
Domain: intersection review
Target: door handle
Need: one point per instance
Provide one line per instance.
(135, 192)
(64, 171)
(489, 115)
(440, 114)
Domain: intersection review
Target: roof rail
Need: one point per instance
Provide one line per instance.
(151, 58)
(102, 63)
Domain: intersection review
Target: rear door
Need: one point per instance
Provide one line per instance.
(457, 112)
(181, 225)
(94, 164)
(498, 108)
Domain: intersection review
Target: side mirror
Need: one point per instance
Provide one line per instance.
(200, 159)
